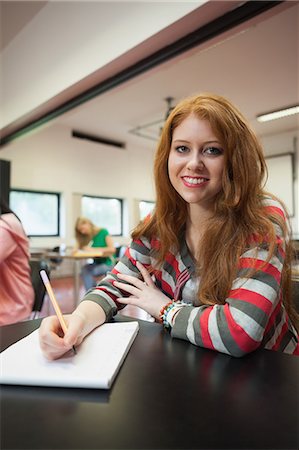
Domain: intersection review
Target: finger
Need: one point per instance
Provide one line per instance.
(50, 338)
(132, 280)
(128, 300)
(146, 276)
(73, 335)
(127, 288)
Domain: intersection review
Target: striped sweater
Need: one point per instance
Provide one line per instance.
(252, 316)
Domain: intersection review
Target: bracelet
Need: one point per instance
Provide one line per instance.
(169, 311)
(164, 310)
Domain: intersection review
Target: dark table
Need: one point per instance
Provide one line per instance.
(168, 394)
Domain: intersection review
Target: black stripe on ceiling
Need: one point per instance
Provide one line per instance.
(224, 23)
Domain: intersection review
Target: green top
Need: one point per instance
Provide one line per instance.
(99, 240)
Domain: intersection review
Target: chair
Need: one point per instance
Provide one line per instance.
(36, 266)
(55, 262)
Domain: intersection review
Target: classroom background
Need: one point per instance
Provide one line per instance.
(86, 88)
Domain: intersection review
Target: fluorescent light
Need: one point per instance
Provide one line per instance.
(278, 114)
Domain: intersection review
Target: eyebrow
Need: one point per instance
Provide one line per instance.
(213, 141)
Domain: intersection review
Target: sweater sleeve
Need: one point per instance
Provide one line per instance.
(105, 293)
(238, 326)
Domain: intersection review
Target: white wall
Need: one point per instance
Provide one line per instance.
(52, 160)
(287, 142)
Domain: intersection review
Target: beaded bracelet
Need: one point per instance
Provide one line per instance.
(164, 310)
(169, 311)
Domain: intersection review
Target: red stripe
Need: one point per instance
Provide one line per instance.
(274, 210)
(253, 298)
(249, 263)
(239, 335)
(283, 331)
(273, 317)
(166, 287)
(204, 328)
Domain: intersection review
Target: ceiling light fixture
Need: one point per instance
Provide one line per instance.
(265, 117)
(152, 130)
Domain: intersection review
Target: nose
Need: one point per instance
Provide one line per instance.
(195, 161)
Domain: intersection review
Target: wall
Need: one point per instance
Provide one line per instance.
(286, 142)
(52, 160)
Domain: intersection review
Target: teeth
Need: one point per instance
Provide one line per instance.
(195, 180)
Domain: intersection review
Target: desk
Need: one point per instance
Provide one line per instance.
(168, 394)
(77, 258)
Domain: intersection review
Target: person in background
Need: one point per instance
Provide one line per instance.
(213, 261)
(16, 290)
(91, 238)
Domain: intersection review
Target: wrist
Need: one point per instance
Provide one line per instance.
(169, 312)
(91, 314)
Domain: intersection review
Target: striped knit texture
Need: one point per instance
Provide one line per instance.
(252, 316)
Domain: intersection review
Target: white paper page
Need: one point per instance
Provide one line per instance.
(95, 365)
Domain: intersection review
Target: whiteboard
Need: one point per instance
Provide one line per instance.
(281, 179)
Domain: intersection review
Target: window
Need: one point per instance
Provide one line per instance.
(145, 208)
(104, 212)
(39, 212)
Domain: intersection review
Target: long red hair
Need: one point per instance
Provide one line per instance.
(239, 212)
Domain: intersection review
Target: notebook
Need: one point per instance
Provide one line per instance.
(95, 365)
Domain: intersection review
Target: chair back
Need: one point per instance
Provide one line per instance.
(37, 283)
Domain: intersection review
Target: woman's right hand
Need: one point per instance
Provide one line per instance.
(80, 323)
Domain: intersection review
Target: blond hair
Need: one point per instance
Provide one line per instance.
(84, 239)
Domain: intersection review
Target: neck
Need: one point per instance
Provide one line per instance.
(197, 222)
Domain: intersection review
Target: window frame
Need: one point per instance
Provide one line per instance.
(121, 209)
(54, 193)
(145, 201)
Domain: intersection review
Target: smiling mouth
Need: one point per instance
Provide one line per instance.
(194, 181)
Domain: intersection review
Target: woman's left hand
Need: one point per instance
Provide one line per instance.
(142, 293)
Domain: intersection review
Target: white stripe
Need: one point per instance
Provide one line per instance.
(256, 286)
(190, 329)
(248, 324)
(144, 259)
(122, 268)
(214, 331)
(190, 289)
(262, 255)
(290, 347)
(269, 201)
(103, 294)
(168, 279)
(277, 332)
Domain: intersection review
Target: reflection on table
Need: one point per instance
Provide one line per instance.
(168, 394)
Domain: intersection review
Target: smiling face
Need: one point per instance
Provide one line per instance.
(196, 162)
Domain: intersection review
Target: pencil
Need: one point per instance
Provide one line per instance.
(48, 286)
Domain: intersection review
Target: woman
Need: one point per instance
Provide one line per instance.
(16, 290)
(90, 239)
(213, 261)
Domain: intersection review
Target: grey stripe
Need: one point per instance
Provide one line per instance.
(225, 335)
(257, 314)
(270, 333)
(261, 254)
(168, 268)
(260, 276)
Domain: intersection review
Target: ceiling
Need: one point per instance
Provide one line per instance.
(257, 68)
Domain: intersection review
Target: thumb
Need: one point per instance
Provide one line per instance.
(73, 336)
